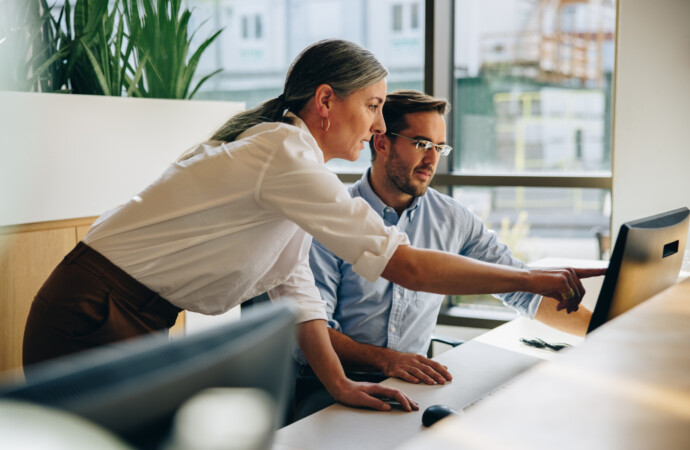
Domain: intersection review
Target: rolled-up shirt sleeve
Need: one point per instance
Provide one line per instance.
(296, 184)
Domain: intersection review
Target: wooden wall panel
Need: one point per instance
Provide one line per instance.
(26, 260)
(81, 232)
(28, 253)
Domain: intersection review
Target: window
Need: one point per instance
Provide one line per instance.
(252, 27)
(258, 31)
(414, 16)
(397, 17)
(532, 123)
(405, 17)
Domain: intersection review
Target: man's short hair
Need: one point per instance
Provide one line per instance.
(407, 101)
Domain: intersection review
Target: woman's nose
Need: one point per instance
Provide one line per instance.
(379, 125)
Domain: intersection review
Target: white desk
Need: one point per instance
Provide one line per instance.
(478, 367)
(626, 387)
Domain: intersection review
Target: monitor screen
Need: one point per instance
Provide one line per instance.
(646, 259)
(133, 389)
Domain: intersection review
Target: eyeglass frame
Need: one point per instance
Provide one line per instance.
(441, 149)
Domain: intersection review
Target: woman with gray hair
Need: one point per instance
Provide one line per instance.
(234, 218)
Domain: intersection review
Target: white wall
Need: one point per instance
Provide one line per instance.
(68, 156)
(651, 165)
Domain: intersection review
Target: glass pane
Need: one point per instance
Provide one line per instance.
(539, 223)
(533, 86)
(262, 37)
(397, 18)
(542, 222)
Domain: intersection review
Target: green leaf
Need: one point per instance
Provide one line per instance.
(160, 30)
(202, 81)
(80, 16)
(137, 76)
(194, 61)
(117, 58)
(38, 72)
(97, 70)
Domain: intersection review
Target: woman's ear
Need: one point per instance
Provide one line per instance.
(324, 97)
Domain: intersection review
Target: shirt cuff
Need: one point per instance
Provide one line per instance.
(534, 306)
(371, 265)
(308, 307)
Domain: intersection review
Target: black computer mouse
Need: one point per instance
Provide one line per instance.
(434, 413)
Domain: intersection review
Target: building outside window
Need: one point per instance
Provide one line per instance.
(397, 17)
(262, 37)
(533, 102)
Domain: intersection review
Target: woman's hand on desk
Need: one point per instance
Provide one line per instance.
(370, 395)
(562, 284)
(314, 340)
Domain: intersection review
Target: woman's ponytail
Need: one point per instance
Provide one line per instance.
(269, 111)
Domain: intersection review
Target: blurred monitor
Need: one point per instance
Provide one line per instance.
(646, 259)
(133, 389)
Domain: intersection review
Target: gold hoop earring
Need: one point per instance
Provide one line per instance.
(328, 123)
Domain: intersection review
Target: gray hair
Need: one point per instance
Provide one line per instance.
(344, 66)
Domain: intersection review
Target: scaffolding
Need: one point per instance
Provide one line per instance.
(562, 41)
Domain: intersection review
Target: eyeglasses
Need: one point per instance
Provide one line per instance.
(423, 144)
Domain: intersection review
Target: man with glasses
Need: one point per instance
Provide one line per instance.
(383, 327)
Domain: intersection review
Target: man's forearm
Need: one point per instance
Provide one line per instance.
(410, 367)
(356, 355)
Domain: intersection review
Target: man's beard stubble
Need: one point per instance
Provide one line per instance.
(400, 174)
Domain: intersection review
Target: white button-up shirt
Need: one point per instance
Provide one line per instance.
(236, 219)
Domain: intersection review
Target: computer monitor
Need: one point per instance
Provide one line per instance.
(646, 259)
(135, 388)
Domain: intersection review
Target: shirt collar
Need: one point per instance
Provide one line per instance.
(296, 121)
(368, 194)
(299, 123)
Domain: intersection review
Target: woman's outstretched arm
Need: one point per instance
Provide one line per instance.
(446, 273)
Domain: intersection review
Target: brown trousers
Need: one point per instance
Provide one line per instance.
(87, 302)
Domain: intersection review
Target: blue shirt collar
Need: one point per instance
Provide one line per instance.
(368, 194)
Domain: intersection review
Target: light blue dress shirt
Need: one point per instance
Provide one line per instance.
(386, 314)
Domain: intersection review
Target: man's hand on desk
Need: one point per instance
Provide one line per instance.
(414, 368)
(409, 367)
(369, 395)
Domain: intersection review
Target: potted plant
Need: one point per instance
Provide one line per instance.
(162, 43)
(139, 48)
(64, 154)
